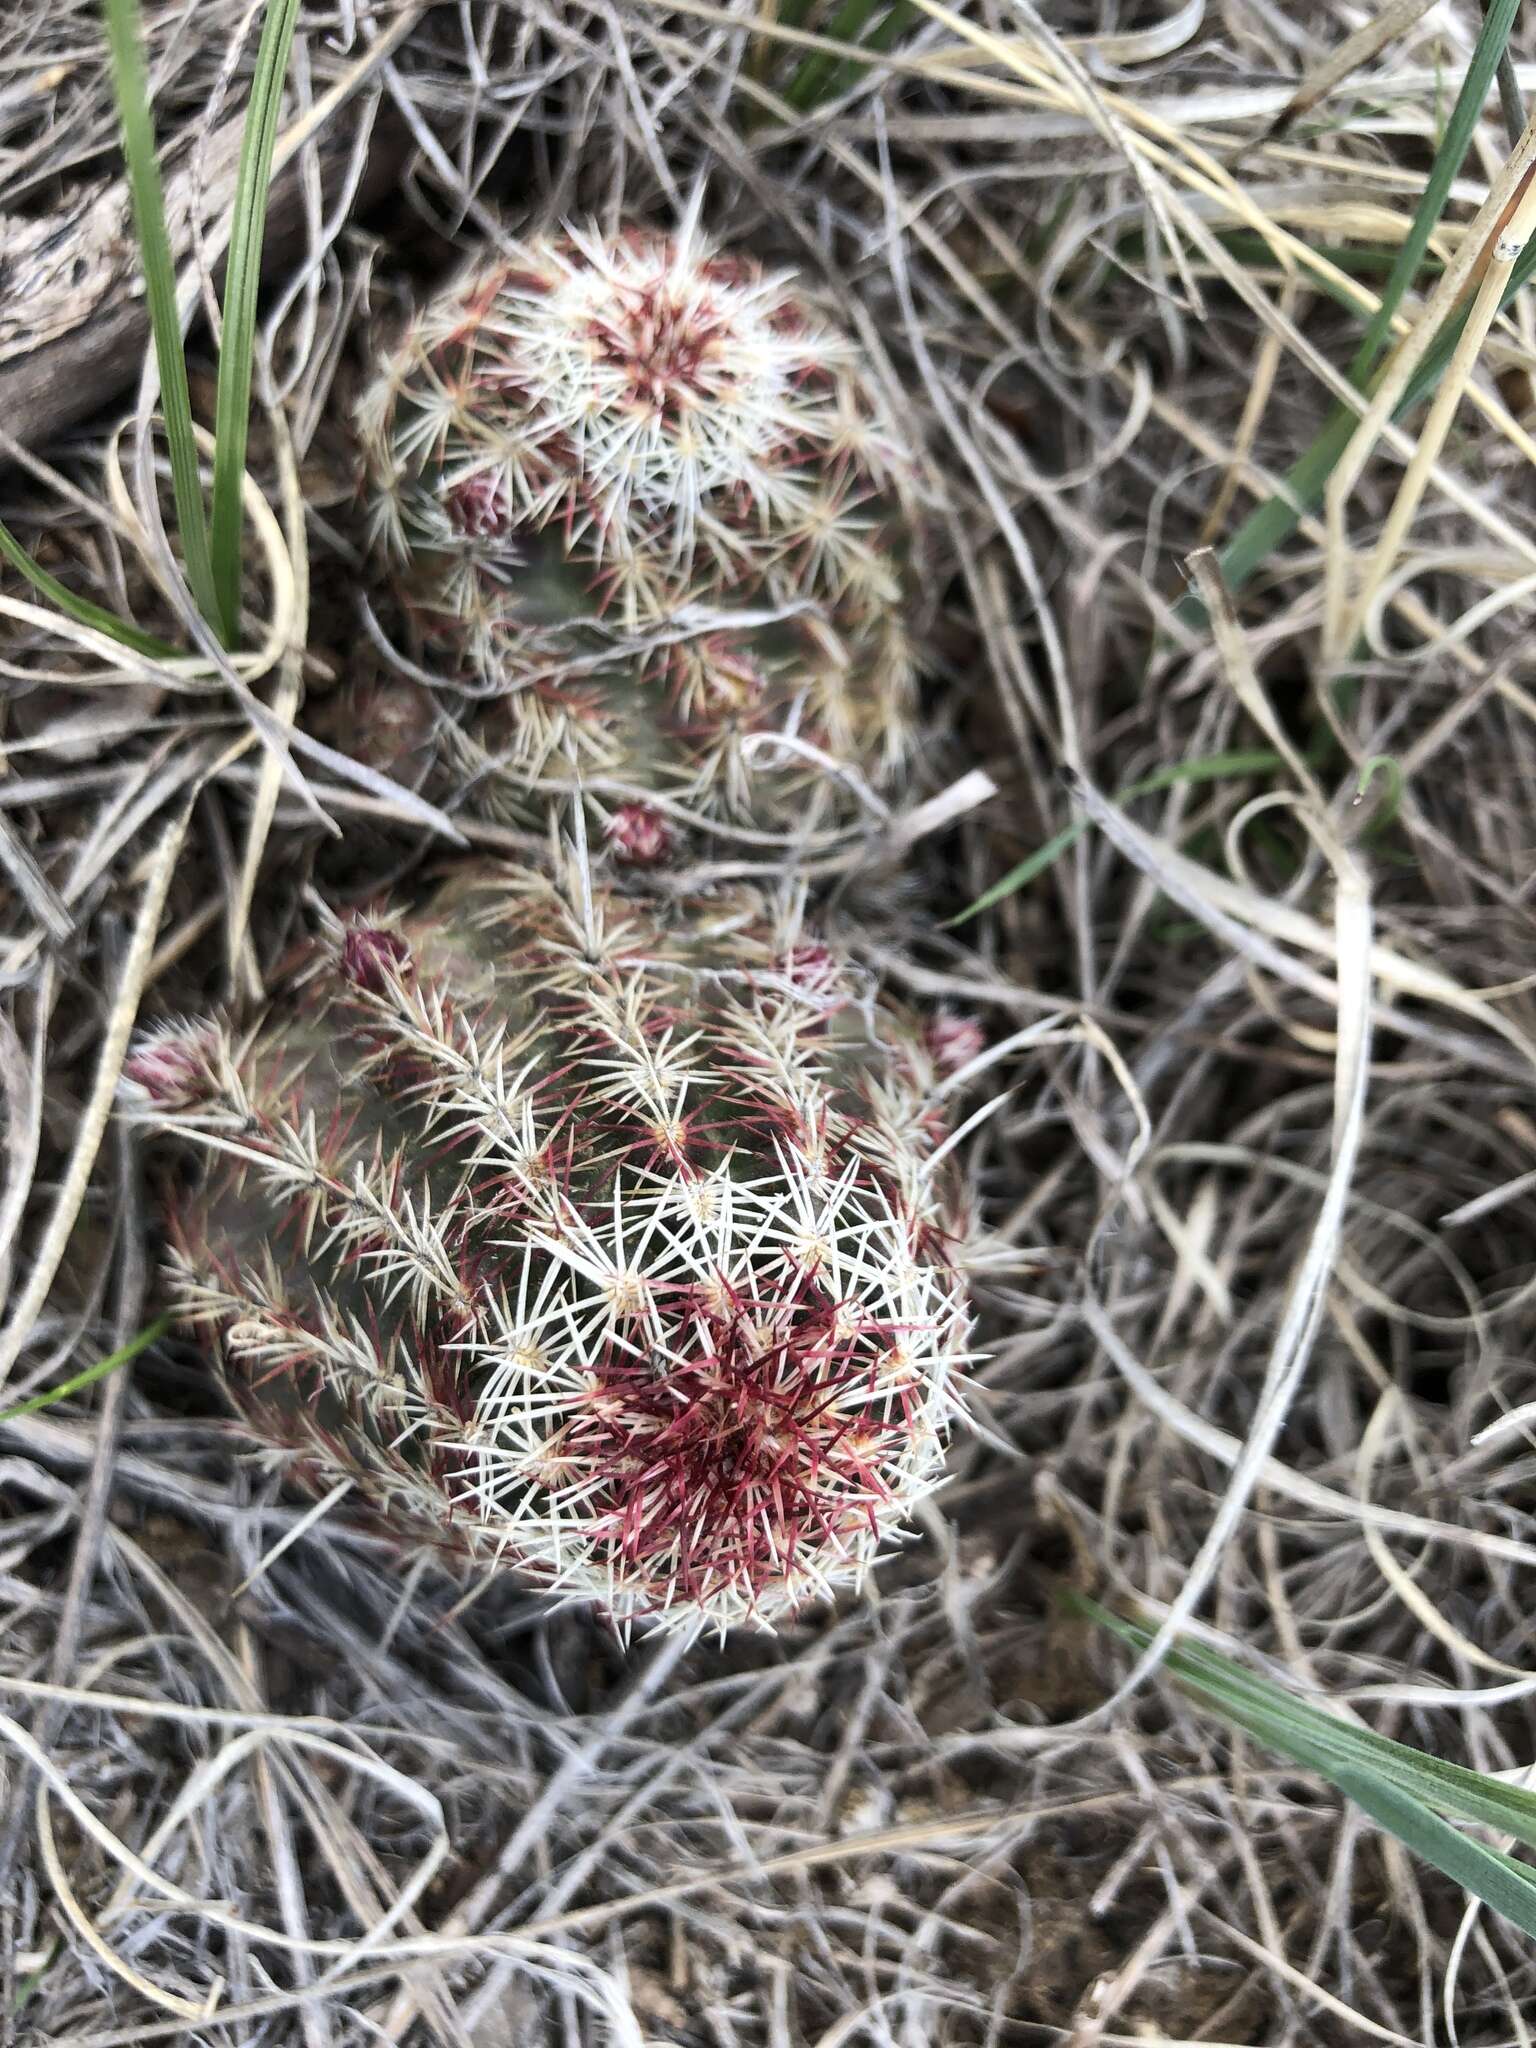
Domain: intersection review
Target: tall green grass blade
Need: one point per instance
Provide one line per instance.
(242, 284)
(1271, 524)
(1487, 1873)
(113, 1362)
(1325, 1742)
(125, 43)
(819, 68)
(885, 35)
(1498, 21)
(80, 609)
(1203, 768)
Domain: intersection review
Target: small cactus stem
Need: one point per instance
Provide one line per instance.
(647, 512)
(597, 1239)
(173, 1067)
(640, 834)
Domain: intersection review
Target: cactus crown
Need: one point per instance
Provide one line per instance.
(648, 501)
(585, 1240)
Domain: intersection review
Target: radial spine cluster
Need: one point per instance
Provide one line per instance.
(597, 1241)
(643, 504)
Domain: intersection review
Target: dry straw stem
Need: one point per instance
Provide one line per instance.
(97, 1108)
(1307, 1300)
(285, 704)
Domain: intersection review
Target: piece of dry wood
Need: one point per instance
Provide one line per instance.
(73, 319)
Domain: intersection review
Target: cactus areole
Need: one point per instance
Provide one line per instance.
(600, 1243)
(643, 505)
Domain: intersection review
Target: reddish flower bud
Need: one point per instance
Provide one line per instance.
(640, 834)
(478, 505)
(370, 955)
(814, 970)
(954, 1041)
(172, 1067)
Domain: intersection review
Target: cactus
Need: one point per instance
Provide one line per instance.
(607, 1244)
(642, 506)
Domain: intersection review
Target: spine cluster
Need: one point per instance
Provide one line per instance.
(585, 1239)
(643, 506)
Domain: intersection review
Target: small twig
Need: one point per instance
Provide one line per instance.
(89, 1529)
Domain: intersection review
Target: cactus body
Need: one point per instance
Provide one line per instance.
(641, 501)
(596, 1243)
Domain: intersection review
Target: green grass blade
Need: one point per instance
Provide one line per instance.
(1493, 36)
(1328, 1745)
(1325, 1742)
(125, 42)
(1271, 524)
(242, 284)
(99, 1371)
(818, 68)
(1203, 768)
(1487, 1873)
(1392, 1798)
(886, 33)
(1033, 864)
(80, 609)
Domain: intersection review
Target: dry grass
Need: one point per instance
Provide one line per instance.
(1259, 1178)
